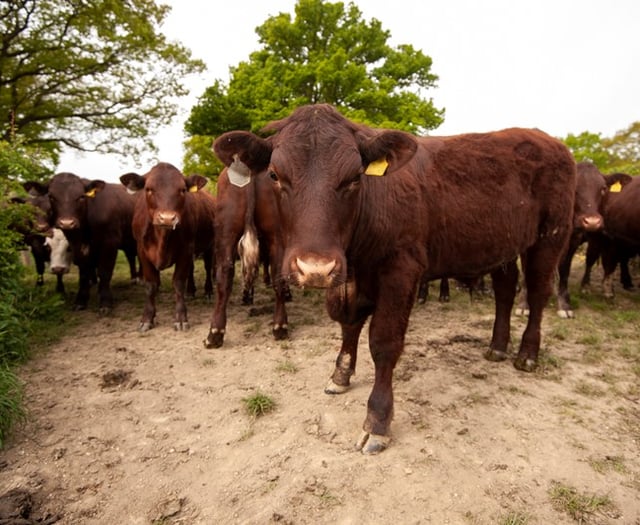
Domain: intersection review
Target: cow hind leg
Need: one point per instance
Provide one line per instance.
(505, 281)
(539, 265)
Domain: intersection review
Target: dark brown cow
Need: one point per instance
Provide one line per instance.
(96, 220)
(366, 212)
(246, 224)
(172, 223)
(620, 239)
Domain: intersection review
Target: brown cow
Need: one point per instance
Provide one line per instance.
(96, 219)
(247, 223)
(366, 212)
(620, 239)
(173, 222)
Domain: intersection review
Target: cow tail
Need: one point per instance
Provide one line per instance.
(248, 245)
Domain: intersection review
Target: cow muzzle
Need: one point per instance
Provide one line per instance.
(67, 223)
(592, 223)
(314, 273)
(59, 270)
(166, 219)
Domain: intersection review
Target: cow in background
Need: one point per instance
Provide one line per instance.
(248, 227)
(96, 220)
(47, 244)
(172, 223)
(620, 239)
(365, 213)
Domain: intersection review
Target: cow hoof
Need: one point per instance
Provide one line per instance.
(332, 388)
(525, 364)
(280, 332)
(181, 326)
(214, 339)
(371, 444)
(79, 307)
(521, 312)
(495, 355)
(145, 326)
(104, 310)
(566, 314)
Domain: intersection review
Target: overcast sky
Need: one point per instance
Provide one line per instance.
(564, 66)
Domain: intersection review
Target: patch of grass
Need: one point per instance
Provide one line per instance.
(590, 339)
(515, 518)
(549, 366)
(581, 507)
(588, 389)
(258, 404)
(608, 464)
(208, 362)
(11, 408)
(287, 366)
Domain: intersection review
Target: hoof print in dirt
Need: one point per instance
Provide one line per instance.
(117, 378)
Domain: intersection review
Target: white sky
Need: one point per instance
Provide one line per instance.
(564, 66)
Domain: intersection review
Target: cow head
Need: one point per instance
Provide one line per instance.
(38, 197)
(321, 165)
(591, 190)
(165, 192)
(60, 252)
(69, 196)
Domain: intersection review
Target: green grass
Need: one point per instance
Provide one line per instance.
(581, 507)
(258, 404)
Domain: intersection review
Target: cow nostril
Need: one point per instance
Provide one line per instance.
(315, 267)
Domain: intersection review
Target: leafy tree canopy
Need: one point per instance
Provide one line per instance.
(326, 53)
(620, 153)
(91, 76)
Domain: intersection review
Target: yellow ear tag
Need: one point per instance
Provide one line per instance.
(615, 188)
(377, 167)
(91, 193)
(193, 189)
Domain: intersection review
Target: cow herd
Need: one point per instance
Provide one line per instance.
(368, 215)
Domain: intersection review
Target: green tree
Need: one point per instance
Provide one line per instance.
(619, 153)
(326, 53)
(588, 147)
(91, 76)
(624, 147)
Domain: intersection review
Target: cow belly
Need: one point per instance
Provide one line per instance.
(480, 252)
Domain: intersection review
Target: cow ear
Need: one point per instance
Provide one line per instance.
(35, 188)
(132, 181)
(617, 181)
(253, 151)
(195, 182)
(93, 187)
(387, 152)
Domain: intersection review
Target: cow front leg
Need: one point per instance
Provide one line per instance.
(151, 278)
(106, 264)
(180, 278)
(346, 361)
(85, 271)
(387, 331)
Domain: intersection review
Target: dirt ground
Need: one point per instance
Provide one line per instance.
(130, 428)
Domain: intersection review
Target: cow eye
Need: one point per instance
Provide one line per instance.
(273, 176)
(350, 185)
